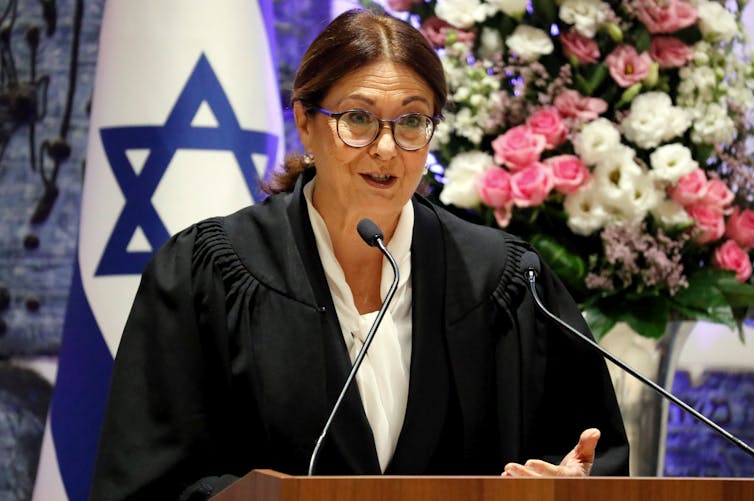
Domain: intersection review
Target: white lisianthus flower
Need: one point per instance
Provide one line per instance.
(643, 197)
(716, 22)
(671, 214)
(616, 176)
(442, 133)
(461, 13)
(461, 176)
(490, 43)
(529, 42)
(670, 162)
(712, 125)
(586, 16)
(513, 8)
(653, 120)
(597, 139)
(585, 213)
(468, 124)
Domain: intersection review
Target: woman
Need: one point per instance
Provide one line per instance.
(245, 327)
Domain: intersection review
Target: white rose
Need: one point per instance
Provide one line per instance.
(514, 8)
(586, 16)
(670, 162)
(529, 42)
(490, 43)
(585, 214)
(461, 13)
(716, 22)
(461, 176)
(671, 214)
(597, 139)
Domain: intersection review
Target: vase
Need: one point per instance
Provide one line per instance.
(645, 412)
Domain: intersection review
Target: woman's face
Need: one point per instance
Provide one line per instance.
(376, 180)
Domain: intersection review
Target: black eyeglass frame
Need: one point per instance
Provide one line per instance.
(434, 120)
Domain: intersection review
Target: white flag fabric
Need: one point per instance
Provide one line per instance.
(186, 120)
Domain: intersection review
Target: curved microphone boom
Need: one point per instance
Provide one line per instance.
(372, 235)
(530, 266)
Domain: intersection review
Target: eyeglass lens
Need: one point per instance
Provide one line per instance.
(359, 128)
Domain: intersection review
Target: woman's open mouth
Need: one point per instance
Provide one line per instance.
(379, 180)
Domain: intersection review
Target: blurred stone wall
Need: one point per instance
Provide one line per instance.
(39, 202)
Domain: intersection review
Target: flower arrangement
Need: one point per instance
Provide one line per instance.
(613, 136)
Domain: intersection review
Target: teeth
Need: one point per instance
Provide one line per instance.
(380, 177)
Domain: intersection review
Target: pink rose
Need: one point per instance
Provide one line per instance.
(401, 5)
(730, 256)
(435, 30)
(547, 122)
(717, 194)
(665, 16)
(740, 227)
(583, 49)
(518, 147)
(690, 188)
(627, 66)
(530, 186)
(710, 223)
(572, 104)
(503, 215)
(568, 173)
(494, 187)
(670, 52)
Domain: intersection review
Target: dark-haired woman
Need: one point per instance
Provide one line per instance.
(245, 327)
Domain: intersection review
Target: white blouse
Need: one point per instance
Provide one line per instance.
(384, 373)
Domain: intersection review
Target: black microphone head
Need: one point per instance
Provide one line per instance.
(529, 262)
(369, 232)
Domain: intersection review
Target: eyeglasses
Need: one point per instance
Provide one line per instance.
(359, 128)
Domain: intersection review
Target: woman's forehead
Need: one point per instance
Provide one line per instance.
(380, 81)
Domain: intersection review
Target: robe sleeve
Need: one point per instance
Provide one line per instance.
(566, 387)
(163, 428)
(578, 392)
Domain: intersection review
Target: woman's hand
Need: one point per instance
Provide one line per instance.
(577, 463)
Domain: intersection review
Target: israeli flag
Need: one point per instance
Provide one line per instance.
(186, 121)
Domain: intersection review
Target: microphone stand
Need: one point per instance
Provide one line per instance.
(531, 276)
(375, 241)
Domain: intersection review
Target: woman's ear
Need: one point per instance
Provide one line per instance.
(304, 124)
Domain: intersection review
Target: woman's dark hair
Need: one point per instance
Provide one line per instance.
(351, 41)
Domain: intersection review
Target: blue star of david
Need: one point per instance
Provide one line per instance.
(162, 143)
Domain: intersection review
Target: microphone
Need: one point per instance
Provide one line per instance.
(529, 264)
(372, 235)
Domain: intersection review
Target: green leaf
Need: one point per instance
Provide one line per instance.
(545, 10)
(642, 40)
(704, 299)
(595, 79)
(647, 316)
(570, 267)
(737, 294)
(703, 152)
(599, 323)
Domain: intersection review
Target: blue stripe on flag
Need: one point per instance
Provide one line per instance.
(78, 403)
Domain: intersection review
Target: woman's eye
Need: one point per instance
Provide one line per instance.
(358, 118)
(412, 121)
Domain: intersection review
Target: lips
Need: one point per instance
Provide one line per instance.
(379, 180)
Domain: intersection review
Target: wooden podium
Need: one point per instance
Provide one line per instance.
(268, 485)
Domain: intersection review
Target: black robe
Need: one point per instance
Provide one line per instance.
(232, 358)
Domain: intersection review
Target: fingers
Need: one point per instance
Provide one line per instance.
(532, 468)
(584, 450)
